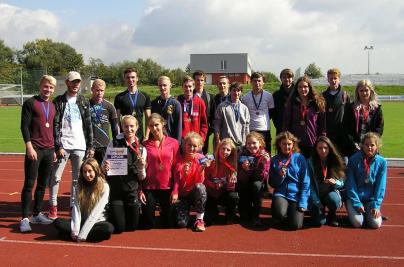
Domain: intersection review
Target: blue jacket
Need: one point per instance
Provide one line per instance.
(314, 184)
(296, 185)
(360, 192)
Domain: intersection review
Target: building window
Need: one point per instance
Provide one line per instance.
(223, 64)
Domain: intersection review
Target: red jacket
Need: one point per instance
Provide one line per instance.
(184, 184)
(197, 120)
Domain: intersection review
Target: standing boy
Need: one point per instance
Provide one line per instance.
(73, 135)
(133, 102)
(260, 104)
(335, 100)
(194, 111)
(103, 117)
(37, 117)
(281, 97)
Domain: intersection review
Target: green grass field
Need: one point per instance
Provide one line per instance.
(393, 144)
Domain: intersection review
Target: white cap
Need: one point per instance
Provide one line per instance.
(73, 75)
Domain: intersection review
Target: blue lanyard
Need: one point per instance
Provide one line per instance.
(236, 109)
(189, 105)
(133, 101)
(257, 107)
(46, 110)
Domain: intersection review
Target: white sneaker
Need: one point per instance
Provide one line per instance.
(41, 219)
(24, 226)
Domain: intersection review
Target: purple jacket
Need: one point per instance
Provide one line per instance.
(314, 123)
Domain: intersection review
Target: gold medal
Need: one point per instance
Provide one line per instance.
(302, 123)
(47, 125)
(134, 113)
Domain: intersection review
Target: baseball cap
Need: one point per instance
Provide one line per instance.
(73, 75)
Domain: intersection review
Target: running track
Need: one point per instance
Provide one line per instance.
(219, 245)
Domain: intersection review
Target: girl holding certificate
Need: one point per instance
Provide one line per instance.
(162, 155)
(124, 204)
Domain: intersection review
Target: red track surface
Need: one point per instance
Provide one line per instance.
(219, 245)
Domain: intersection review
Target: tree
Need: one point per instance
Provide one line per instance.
(6, 54)
(270, 77)
(313, 71)
(55, 58)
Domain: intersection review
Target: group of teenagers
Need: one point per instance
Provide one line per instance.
(326, 154)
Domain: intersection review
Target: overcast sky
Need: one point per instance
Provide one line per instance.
(275, 33)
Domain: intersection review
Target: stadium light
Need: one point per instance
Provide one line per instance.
(368, 48)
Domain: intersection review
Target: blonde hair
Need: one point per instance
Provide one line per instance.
(288, 136)
(373, 96)
(89, 193)
(129, 117)
(48, 78)
(163, 78)
(99, 83)
(334, 71)
(193, 135)
(232, 159)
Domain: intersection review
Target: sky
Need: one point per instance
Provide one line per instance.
(276, 34)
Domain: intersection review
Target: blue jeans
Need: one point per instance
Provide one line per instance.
(332, 201)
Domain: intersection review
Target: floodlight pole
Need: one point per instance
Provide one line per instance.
(368, 48)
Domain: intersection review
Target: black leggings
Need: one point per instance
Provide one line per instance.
(149, 209)
(285, 211)
(100, 231)
(227, 199)
(41, 169)
(124, 213)
(250, 200)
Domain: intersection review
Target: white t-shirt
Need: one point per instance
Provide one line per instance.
(72, 127)
(259, 118)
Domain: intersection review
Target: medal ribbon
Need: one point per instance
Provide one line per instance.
(324, 169)
(236, 109)
(228, 166)
(365, 113)
(287, 163)
(303, 111)
(46, 110)
(135, 149)
(366, 162)
(255, 102)
(133, 99)
(159, 148)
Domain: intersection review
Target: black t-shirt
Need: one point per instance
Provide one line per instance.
(133, 104)
(103, 116)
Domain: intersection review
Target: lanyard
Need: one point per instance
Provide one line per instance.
(255, 102)
(97, 108)
(324, 169)
(367, 161)
(133, 100)
(159, 148)
(285, 165)
(303, 111)
(228, 165)
(135, 149)
(236, 109)
(365, 113)
(188, 106)
(46, 110)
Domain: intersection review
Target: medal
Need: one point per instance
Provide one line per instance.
(161, 167)
(257, 106)
(284, 170)
(46, 111)
(302, 123)
(47, 124)
(99, 124)
(366, 180)
(330, 110)
(134, 113)
(257, 113)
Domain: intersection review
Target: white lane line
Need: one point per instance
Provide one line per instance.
(235, 252)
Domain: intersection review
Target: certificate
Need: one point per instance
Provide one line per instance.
(118, 160)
